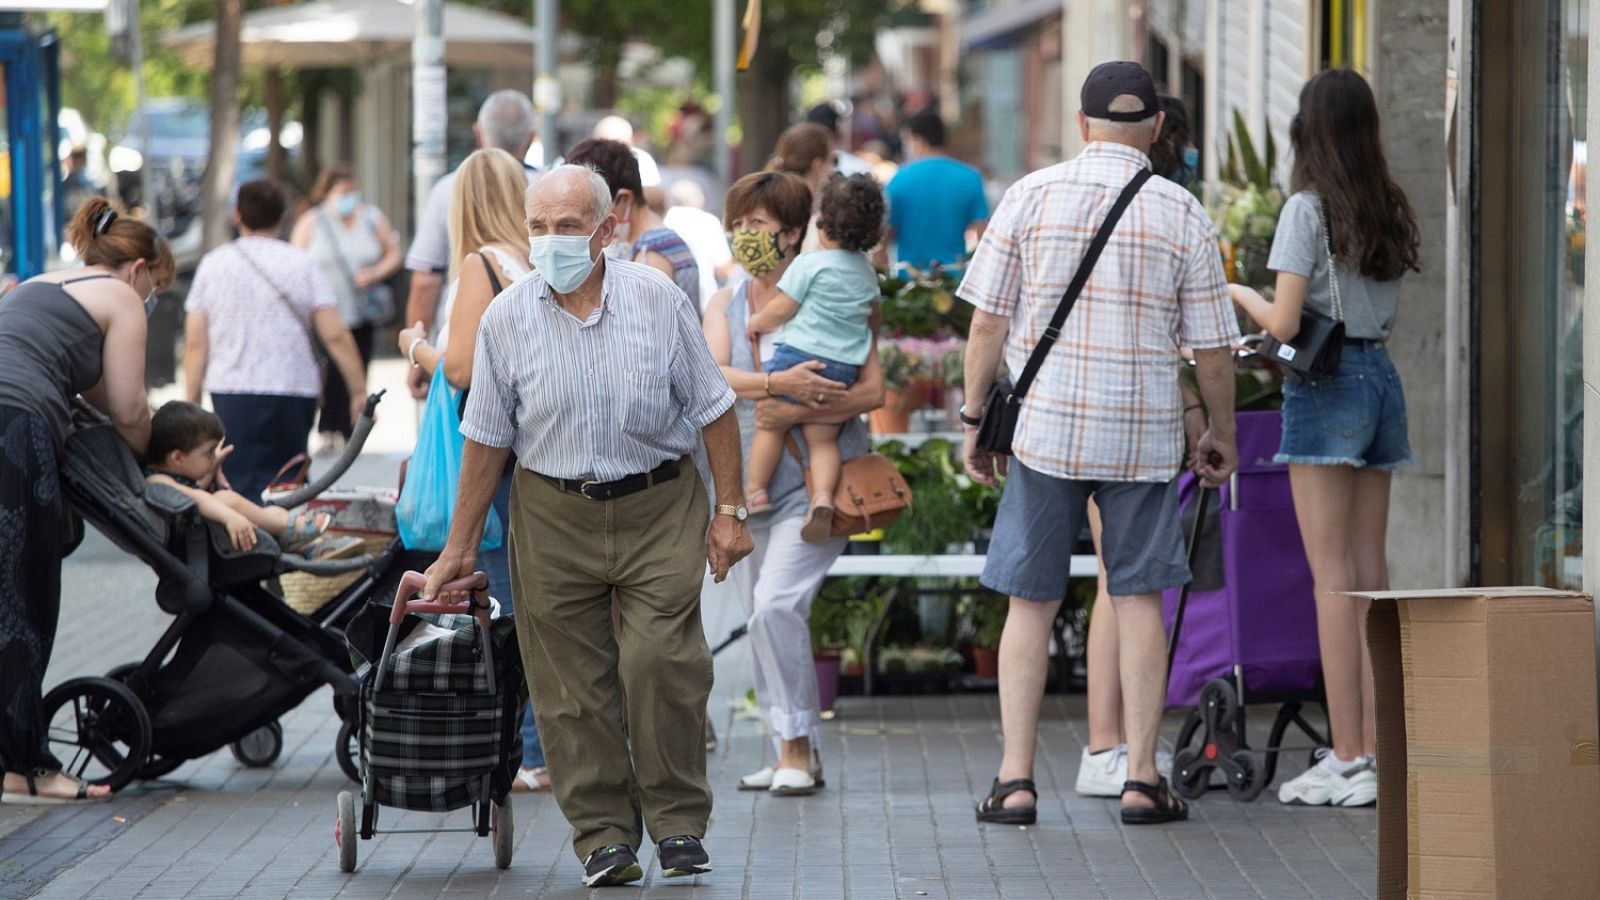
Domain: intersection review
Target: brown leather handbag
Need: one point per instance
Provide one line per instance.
(871, 493)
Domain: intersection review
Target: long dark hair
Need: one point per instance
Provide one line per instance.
(1338, 154)
(1166, 154)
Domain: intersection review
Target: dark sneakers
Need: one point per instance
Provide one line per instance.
(612, 865)
(683, 855)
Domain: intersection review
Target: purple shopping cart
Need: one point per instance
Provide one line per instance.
(1251, 639)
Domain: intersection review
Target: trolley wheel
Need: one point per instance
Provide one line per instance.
(504, 833)
(259, 748)
(1219, 704)
(347, 752)
(1192, 725)
(100, 728)
(1191, 774)
(344, 832)
(1247, 784)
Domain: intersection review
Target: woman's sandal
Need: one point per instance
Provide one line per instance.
(1167, 808)
(993, 808)
(303, 528)
(34, 798)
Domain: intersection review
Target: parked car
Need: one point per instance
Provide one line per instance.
(180, 136)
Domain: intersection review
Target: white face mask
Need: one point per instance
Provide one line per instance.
(563, 259)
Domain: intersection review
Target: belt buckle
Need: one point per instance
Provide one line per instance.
(583, 489)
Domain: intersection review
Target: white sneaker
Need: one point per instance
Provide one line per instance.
(1103, 774)
(1333, 782)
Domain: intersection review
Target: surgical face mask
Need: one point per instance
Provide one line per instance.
(345, 204)
(563, 259)
(1189, 169)
(757, 251)
(150, 303)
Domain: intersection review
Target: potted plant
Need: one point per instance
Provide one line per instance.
(899, 370)
(830, 614)
(952, 372)
(987, 615)
(938, 517)
(1248, 215)
(983, 504)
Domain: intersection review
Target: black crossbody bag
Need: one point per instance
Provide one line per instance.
(1318, 347)
(1004, 404)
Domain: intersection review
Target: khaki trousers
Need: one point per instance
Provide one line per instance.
(568, 555)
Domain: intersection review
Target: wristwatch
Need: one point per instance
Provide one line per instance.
(974, 421)
(737, 512)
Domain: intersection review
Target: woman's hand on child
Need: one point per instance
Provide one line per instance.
(801, 382)
(241, 530)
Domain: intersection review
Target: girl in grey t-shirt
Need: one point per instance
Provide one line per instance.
(1347, 228)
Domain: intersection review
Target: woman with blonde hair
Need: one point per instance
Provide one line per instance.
(488, 251)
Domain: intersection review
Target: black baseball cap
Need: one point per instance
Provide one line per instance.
(1111, 80)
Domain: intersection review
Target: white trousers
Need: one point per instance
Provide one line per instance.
(776, 585)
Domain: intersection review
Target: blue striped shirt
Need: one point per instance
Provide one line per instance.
(613, 396)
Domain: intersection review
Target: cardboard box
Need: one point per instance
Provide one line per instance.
(1488, 771)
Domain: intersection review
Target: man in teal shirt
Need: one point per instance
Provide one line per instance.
(933, 199)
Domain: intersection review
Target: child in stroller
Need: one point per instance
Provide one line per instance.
(186, 452)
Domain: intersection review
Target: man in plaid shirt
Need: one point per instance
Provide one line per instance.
(1103, 419)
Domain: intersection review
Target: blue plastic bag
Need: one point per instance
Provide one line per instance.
(428, 499)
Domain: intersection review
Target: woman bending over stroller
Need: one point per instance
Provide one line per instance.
(186, 452)
(77, 331)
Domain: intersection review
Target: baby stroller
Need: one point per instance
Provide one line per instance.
(235, 657)
(439, 713)
(1251, 639)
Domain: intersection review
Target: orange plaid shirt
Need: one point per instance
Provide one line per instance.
(1106, 404)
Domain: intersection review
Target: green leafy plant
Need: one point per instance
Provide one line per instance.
(987, 615)
(1247, 218)
(924, 304)
(939, 515)
(953, 367)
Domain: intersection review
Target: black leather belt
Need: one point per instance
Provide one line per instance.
(622, 487)
(1367, 343)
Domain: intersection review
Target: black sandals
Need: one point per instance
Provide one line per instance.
(993, 808)
(1167, 808)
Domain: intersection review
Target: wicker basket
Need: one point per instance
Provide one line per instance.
(306, 594)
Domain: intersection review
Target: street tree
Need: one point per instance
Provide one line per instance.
(221, 161)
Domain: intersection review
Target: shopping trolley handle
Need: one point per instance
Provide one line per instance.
(407, 598)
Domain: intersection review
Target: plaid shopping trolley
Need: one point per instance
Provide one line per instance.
(441, 702)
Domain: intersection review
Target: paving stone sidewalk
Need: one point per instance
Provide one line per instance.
(894, 822)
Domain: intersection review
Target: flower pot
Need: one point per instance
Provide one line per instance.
(894, 416)
(827, 681)
(986, 661)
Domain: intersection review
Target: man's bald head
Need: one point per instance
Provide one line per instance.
(1138, 135)
(568, 194)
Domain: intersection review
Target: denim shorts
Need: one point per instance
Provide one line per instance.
(1041, 518)
(1355, 418)
(785, 357)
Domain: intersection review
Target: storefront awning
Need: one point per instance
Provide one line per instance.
(330, 34)
(1004, 25)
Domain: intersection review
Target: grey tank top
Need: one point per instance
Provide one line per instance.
(52, 349)
(788, 488)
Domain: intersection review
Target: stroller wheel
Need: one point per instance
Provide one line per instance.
(99, 729)
(344, 832)
(347, 752)
(1191, 774)
(504, 833)
(1246, 783)
(260, 748)
(159, 767)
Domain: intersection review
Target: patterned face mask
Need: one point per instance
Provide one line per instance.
(757, 251)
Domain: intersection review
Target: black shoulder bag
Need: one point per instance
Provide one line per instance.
(1319, 344)
(1004, 403)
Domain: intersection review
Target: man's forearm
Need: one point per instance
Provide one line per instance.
(481, 466)
(986, 345)
(725, 458)
(194, 373)
(422, 305)
(1214, 372)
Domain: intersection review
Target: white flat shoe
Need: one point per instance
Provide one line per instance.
(757, 781)
(792, 783)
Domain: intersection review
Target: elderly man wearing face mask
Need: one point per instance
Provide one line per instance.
(595, 373)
